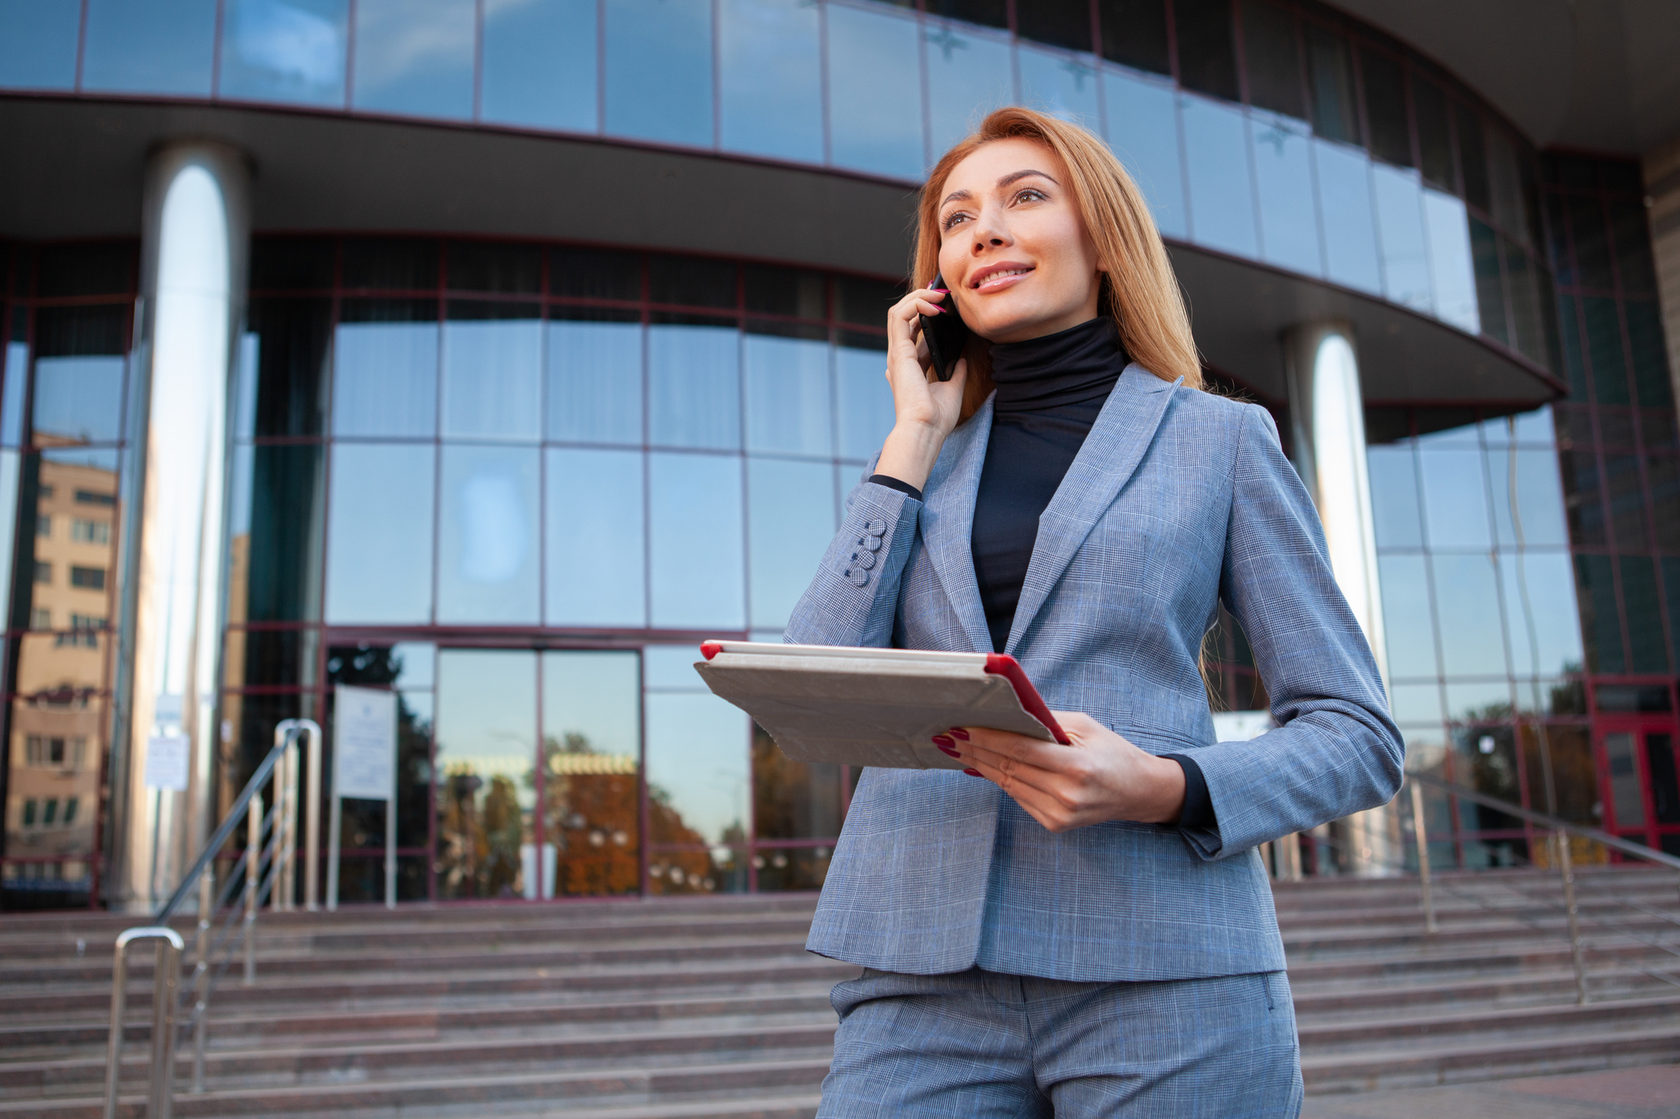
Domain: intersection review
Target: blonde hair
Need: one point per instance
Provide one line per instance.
(1137, 285)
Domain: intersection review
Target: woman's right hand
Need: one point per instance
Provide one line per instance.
(925, 408)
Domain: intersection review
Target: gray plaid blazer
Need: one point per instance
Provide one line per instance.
(1177, 500)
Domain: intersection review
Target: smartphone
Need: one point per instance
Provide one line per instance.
(946, 335)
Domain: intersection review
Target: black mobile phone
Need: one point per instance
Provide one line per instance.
(945, 334)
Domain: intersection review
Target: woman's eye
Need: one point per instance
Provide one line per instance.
(1031, 194)
(951, 220)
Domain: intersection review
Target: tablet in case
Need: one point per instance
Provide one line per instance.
(853, 706)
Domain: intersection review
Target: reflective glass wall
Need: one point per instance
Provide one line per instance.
(64, 391)
(1278, 131)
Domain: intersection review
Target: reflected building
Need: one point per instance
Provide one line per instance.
(498, 353)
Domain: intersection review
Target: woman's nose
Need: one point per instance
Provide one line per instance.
(989, 232)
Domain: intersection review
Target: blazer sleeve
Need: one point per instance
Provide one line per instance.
(1335, 750)
(853, 598)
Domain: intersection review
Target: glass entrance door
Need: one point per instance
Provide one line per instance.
(538, 774)
(1642, 775)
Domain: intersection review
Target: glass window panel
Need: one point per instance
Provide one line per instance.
(793, 292)
(1490, 286)
(38, 43)
(486, 751)
(1452, 272)
(1601, 625)
(539, 67)
(1143, 131)
(276, 513)
(1062, 85)
(797, 868)
(1221, 193)
(379, 554)
(694, 378)
(487, 536)
(282, 374)
(1385, 107)
(771, 100)
(78, 396)
(163, 46)
(1467, 605)
(969, 75)
(1330, 83)
(594, 376)
(1527, 328)
(1591, 241)
(385, 368)
(1604, 350)
(1630, 233)
(1207, 55)
(1582, 502)
(390, 264)
(788, 392)
(492, 371)
(16, 370)
(1062, 24)
(1415, 704)
(1627, 795)
(1406, 617)
(1671, 589)
(594, 274)
(596, 555)
(90, 268)
(1646, 643)
(1540, 591)
(408, 665)
(1400, 234)
(1472, 157)
(1283, 174)
(293, 263)
(792, 800)
(270, 657)
(671, 668)
(1350, 225)
(1663, 475)
(1134, 33)
(1273, 57)
(791, 518)
(1647, 352)
(863, 395)
(659, 70)
(1394, 496)
(1539, 498)
(9, 472)
(493, 266)
(591, 788)
(693, 281)
(696, 541)
(415, 57)
(1510, 208)
(864, 301)
(1455, 498)
(699, 783)
(874, 92)
(991, 13)
(1627, 503)
(285, 50)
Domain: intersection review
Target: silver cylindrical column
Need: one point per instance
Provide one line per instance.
(195, 240)
(1327, 422)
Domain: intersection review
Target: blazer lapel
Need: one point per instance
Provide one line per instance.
(948, 521)
(1105, 462)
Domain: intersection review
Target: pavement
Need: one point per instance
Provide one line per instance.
(1648, 1092)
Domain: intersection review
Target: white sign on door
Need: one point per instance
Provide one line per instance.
(364, 743)
(166, 762)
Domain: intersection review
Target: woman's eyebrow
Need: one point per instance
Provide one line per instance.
(963, 195)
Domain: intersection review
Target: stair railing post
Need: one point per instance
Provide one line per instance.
(312, 817)
(165, 974)
(253, 869)
(1420, 833)
(1566, 867)
(201, 972)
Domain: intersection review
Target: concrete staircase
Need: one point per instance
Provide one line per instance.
(709, 1007)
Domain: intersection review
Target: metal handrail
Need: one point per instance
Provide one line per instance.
(1558, 832)
(269, 872)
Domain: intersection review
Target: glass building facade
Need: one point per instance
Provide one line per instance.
(516, 477)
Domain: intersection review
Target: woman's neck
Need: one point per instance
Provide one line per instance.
(1071, 366)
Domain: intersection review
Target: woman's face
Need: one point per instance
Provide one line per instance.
(1012, 248)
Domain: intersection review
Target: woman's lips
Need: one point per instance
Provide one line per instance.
(1003, 278)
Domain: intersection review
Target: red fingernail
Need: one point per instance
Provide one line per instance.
(942, 740)
(950, 752)
(942, 291)
(972, 772)
(958, 732)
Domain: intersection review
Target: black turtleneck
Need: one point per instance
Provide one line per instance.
(1049, 391)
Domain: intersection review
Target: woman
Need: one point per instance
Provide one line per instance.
(1085, 929)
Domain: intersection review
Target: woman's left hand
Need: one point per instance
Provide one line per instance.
(1101, 776)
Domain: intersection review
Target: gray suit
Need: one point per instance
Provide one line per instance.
(1177, 500)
